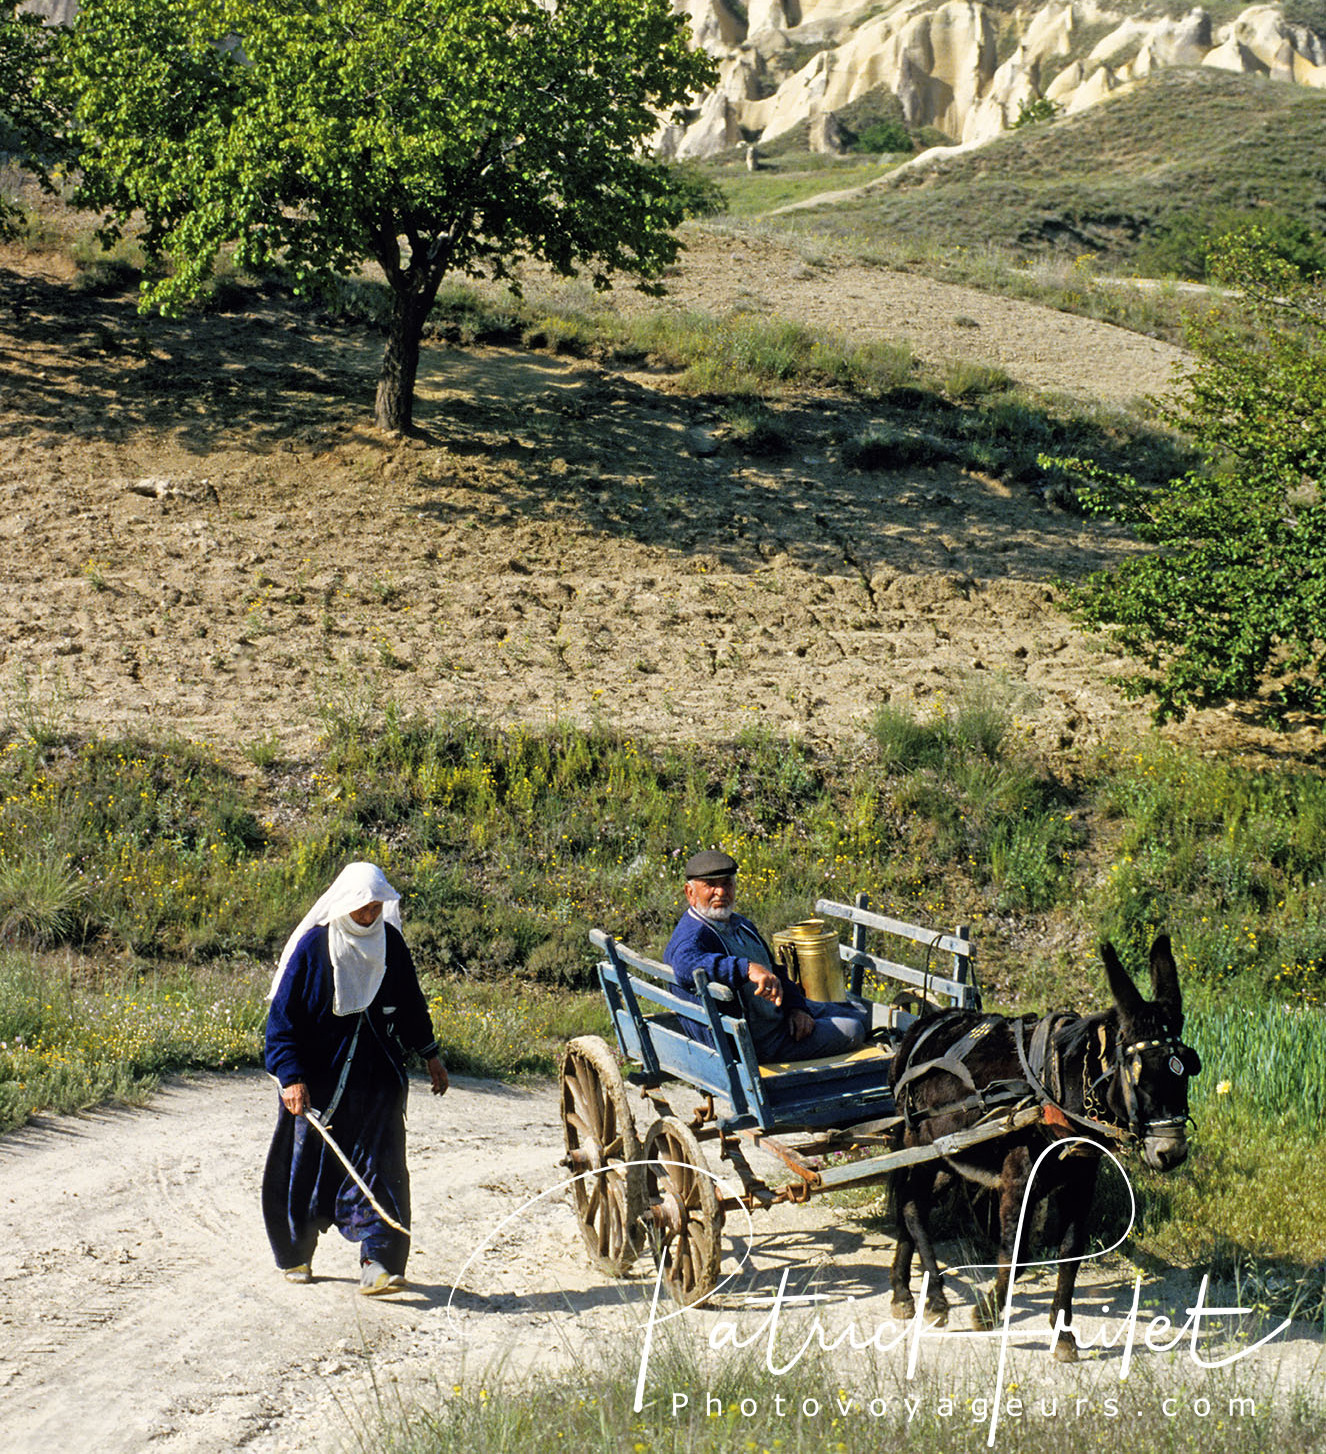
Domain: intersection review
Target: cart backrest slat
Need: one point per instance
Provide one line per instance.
(656, 970)
(954, 983)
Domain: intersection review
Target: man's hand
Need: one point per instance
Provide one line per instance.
(800, 1024)
(295, 1097)
(437, 1073)
(764, 982)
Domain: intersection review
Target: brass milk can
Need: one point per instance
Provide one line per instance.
(809, 954)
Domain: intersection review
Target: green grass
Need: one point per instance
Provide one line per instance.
(849, 1403)
(792, 179)
(1233, 854)
(71, 1037)
(510, 844)
(509, 1030)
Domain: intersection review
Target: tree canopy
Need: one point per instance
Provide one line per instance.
(1231, 603)
(425, 135)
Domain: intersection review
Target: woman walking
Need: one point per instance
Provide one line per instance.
(346, 1010)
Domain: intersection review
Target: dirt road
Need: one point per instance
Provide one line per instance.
(139, 1308)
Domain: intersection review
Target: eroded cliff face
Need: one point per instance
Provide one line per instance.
(958, 66)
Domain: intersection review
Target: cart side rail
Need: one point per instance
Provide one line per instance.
(951, 981)
(641, 994)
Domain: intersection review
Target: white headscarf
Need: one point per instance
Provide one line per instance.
(358, 955)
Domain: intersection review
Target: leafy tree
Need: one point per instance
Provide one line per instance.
(1231, 604)
(1182, 244)
(27, 123)
(425, 135)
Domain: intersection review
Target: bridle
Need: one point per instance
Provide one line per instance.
(1127, 1069)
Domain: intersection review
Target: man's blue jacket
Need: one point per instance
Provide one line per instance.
(696, 945)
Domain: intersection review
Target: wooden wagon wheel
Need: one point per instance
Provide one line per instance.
(685, 1220)
(600, 1137)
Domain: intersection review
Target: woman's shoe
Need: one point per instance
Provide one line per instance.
(302, 1273)
(376, 1281)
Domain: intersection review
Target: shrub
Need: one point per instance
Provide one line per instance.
(1229, 604)
(757, 430)
(883, 136)
(883, 448)
(1040, 108)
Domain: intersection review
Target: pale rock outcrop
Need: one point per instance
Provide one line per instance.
(826, 133)
(1232, 55)
(1130, 33)
(941, 60)
(1182, 42)
(1099, 84)
(715, 129)
(714, 27)
(765, 15)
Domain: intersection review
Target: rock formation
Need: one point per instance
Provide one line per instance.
(958, 66)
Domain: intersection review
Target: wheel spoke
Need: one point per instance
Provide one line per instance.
(583, 1103)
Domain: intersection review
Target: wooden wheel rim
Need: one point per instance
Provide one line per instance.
(685, 1217)
(601, 1138)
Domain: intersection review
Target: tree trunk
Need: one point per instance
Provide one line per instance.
(393, 410)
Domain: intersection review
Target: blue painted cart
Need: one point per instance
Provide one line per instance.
(658, 1188)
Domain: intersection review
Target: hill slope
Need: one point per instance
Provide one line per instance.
(1188, 145)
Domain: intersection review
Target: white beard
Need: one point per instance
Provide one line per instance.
(714, 916)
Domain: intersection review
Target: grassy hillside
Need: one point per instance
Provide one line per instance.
(1187, 145)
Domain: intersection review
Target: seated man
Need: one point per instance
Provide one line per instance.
(784, 1024)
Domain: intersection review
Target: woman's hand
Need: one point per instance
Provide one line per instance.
(295, 1097)
(437, 1073)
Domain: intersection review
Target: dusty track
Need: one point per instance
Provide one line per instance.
(139, 1308)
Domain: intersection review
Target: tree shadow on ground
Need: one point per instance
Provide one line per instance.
(733, 483)
(78, 362)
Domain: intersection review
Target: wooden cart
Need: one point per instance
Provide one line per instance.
(657, 1189)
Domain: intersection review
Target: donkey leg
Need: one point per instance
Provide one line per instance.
(915, 1209)
(1075, 1198)
(903, 1305)
(1013, 1178)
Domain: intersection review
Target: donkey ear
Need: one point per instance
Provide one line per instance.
(1165, 980)
(1125, 992)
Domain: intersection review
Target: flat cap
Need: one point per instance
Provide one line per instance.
(710, 863)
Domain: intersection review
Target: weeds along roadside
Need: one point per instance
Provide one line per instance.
(845, 1403)
(146, 884)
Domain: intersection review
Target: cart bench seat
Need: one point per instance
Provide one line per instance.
(869, 1060)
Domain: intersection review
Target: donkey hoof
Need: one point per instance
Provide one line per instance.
(936, 1314)
(984, 1315)
(1065, 1348)
(903, 1308)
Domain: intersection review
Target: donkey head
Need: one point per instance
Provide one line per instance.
(1149, 1088)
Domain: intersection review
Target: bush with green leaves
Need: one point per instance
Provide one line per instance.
(1040, 108)
(1230, 604)
(883, 136)
(27, 120)
(1183, 246)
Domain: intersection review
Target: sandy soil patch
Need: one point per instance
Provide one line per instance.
(1056, 352)
(203, 535)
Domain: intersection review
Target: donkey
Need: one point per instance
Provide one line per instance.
(1119, 1075)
